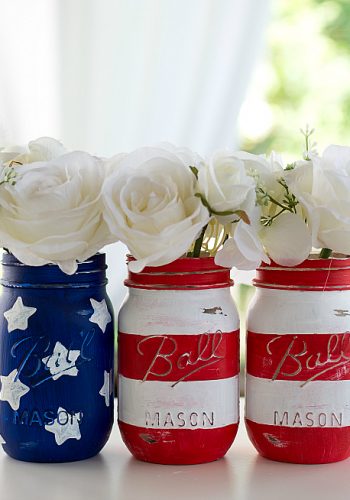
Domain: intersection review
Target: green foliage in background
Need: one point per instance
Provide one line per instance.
(305, 76)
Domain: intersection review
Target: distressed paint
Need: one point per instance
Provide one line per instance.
(178, 381)
(298, 364)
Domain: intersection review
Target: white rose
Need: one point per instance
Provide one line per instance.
(150, 204)
(286, 240)
(225, 185)
(10, 152)
(228, 183)
(186, 155)
(53, 214)
(42, 149)
(322, 186)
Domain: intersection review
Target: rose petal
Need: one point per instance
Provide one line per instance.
(288, 240)
(243, 251)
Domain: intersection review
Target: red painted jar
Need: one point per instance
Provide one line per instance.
(298, 362)
(178, 382)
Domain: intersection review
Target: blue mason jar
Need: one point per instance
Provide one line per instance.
(56, 361)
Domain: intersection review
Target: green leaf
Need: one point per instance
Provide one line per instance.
(325, 253)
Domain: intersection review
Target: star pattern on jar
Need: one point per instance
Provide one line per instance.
(17, 317)
(65, 426)
(62, 361)
(107, 388)
(101, 314)
(12, 389)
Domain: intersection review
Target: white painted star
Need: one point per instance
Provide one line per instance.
(65, 426)
(101, 314)
(17, 317)
(2, 440)
(107, 388)
(62, 361)
(12, 389)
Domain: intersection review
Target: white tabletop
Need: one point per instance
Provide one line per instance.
(115, 475)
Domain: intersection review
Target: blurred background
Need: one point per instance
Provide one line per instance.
(111, 75)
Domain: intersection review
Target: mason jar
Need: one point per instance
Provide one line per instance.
(56, 361)
(178, 382)
(298, 362)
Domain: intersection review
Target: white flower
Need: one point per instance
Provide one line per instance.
(188, 157)
(42, 149)
(288, 240)
(283, 236)
(244, 249)
(9, 153)
(322, 186)
(53, 214)
(150, 204)
(225, 185)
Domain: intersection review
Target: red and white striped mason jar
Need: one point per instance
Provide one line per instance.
(298, 362)
(178, 381)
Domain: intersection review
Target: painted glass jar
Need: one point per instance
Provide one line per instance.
(298, 362)
(178, 382)
(56, 361)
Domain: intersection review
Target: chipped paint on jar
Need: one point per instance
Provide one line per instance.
(178, 383)
(298, 362)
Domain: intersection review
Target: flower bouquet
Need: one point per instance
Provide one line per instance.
(186, 221)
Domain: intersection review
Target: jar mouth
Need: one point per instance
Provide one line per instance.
(16, 274)
(181, 274)
(312, 274)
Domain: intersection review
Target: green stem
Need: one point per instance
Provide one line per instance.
(307, 150)
(198, 244)
(325, 253)
(278, 203)
(276, 215)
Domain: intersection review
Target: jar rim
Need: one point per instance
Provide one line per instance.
(312, 274)
(17, 274)
(183, 273)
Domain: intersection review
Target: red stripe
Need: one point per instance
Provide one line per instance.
(312, 274)
(302, 446)
(182, 265)
(185, 273)
(213, 279)
(207, 356)
(299, 356)
(180, 446)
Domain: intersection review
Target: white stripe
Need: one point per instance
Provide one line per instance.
(279, 311)
(320, 403)
(204, 404)
(178, 312)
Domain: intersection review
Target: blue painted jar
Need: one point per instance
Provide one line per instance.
(56, 361)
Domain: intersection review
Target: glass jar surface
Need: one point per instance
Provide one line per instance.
(56, 361)
(298, 362)
(178, 352)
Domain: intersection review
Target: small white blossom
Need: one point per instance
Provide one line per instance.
(322, 186)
